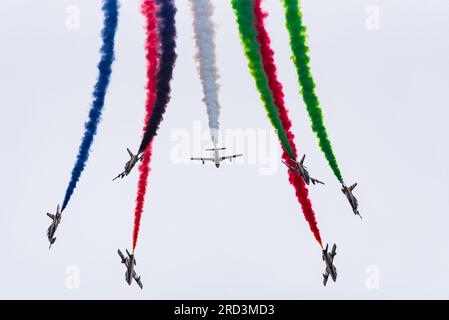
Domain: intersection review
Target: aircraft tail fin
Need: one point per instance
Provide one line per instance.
(302, 159)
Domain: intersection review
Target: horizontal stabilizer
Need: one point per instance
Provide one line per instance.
(51, 242)
(325, 277)
(213, 149)
(316, 181)
(140, 283)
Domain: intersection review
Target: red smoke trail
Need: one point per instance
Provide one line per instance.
(148, 9)
(144, 170)
(302, 193)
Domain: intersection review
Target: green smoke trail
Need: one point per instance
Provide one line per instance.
(243, 10)
(298, 44)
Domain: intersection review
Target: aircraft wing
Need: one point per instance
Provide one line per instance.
(289, 166)
(121, 256)
(230, 157)
(52, 216)
(203, 159)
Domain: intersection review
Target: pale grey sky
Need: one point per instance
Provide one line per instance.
(232, 232)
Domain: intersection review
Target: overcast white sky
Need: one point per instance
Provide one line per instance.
(236, 232)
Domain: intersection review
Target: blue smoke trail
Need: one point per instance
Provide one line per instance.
(110, 10)
(167, 37)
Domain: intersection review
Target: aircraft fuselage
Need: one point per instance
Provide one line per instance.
(131, 163)
(217, 158)
(352, 200)
(130, 272)
(330, 268)
(303, 172)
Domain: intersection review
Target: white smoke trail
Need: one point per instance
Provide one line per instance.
(205, 42)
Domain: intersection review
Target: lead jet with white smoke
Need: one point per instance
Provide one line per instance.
(301, 169)
(130, 263)
(130, 164)
(54, 226)
(217, 159)
(328, 258)
(352, 200)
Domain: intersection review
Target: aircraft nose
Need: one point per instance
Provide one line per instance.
(217, 165)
